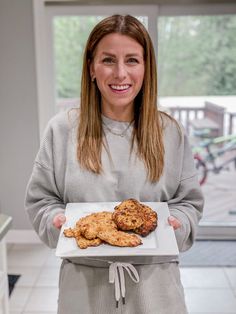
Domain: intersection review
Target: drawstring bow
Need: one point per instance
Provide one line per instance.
(116, 276)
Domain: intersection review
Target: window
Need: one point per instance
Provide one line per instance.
(197, 55)
(197, 83)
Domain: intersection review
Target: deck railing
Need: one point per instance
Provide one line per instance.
(186, 114)
(232, 123)
(225, 121)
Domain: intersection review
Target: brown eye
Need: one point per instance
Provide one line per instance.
(108, 60)
(132, 61)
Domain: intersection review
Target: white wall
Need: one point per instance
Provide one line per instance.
(19, 138)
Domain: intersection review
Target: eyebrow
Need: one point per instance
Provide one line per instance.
(128, 55)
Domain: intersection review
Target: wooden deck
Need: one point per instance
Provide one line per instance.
(220, 197)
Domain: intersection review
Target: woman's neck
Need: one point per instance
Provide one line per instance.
(119, 115)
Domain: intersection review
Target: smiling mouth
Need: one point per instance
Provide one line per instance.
(120, 88)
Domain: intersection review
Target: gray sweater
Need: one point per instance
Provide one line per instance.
(57, 177)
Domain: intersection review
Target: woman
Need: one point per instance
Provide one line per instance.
(117, 146)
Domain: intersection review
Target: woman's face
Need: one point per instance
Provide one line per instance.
(118, 67)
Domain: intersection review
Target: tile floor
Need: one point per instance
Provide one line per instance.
(207, 290)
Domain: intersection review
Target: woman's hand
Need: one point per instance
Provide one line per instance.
(174, 222)
(59, 220)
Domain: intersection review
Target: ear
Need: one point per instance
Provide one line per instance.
(91, 70)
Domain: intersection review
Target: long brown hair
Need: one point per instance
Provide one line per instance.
(147, 119)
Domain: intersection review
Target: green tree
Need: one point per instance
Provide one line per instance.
(70, 36)
(197, 55)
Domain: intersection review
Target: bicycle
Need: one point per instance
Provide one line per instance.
(205, 156)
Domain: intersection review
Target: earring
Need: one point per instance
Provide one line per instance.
(93, 78)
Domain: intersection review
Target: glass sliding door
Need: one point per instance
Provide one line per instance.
(197, 85)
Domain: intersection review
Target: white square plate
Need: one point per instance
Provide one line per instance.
(160, 242)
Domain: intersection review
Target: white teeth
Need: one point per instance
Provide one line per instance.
(120, 87)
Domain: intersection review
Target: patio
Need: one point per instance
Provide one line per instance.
(220, 197)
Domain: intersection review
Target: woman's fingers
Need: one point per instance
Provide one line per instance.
(174, 222)
(59, 220)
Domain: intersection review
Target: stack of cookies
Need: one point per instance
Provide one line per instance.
(112, 227)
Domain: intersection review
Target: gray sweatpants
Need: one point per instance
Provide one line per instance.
(86, 290)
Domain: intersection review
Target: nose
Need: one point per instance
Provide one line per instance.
(120, 71)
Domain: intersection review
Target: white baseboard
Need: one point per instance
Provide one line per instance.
(22, 236)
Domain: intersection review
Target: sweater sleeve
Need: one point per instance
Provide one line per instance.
(43, 199)
(187, 203)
